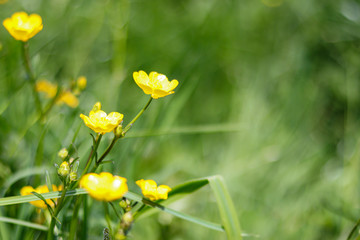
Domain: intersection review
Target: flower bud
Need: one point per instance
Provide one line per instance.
(64, 169)
(81, 83)
(126, 221)
(63, 153)
(119, 131)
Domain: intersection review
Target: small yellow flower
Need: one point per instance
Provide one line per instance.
(40, 189)
(47, 87)
(81, 82)
(150, 189)
(69, 99)
(104, 186)
(100, 122)
(23, 26)
(156, 84)
(51, 89)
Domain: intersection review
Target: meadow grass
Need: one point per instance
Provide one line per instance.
(268, 98)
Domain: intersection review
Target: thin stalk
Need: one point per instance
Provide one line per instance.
(58, 208)
(116, 213)
(107, 218)
(107, 150)
(353, 230)
(127, 128)
(92, 154)
(74, 219)
(29, 71)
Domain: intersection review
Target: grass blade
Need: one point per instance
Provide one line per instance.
(24, 223)
(226, 207)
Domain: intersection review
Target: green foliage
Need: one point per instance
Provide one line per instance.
(268, 98)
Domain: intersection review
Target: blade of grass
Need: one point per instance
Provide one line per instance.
(213, 128)
(226, 207)
(23, 223)
(19, 175)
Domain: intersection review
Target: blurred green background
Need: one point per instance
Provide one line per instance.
(268, 98)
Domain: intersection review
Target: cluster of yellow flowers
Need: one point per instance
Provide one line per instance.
(51, 89)
(103, 186)
(106, 187)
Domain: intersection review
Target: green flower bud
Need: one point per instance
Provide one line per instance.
(64, 169)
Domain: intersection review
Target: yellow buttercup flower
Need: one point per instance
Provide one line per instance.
(46, 87)
(150, 189)
(156, 84)
(40, 189)
(23, 26)
(104, 186)
(81, 82)
(100, 122)
(69, 99)
(50, 91)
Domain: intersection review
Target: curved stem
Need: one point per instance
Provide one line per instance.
(107, 150)
(92, 154)
(127, 128)
(29, 71)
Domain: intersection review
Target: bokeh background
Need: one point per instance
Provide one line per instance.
(268, 98)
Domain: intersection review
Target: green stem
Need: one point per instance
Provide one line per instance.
(26, 56)
(107, 217)
(127, 128)
(58, 208)
(107, 150)
(92, 154)
(74, 219)
(113, 207)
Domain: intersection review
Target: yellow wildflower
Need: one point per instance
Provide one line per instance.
(3, 1)
(81, 82)
(156, 84)
(50, 91)
(100, 122)
(150, 189)
(104, 186)
(40, 189)
(23, 26)
(69, 99)
(47, 87)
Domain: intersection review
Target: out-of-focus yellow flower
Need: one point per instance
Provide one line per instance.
(50, 91)
(100, 122)
(63, 153)
(23, 26)
(104, 186)
(46, 87)
(150, 189)
(81, 82)
(3, 1)
(69, 99)
(156, 84)
(40, 189)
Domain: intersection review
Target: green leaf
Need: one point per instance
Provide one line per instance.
(226, 207)
(184, 216)
(21, 174)
(188, 187)
(29, 198)
(24, 223)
